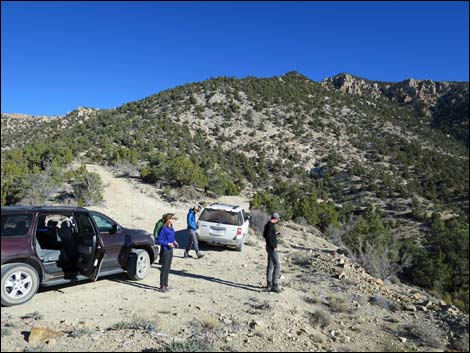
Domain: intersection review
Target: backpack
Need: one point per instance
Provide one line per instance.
(158, 227)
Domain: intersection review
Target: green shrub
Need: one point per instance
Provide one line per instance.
(182, 171)
(87, 186)
(221, 184)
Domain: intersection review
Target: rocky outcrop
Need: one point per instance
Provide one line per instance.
(444, 103)
(353, 85)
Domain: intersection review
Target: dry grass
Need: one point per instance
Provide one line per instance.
(209, 323)
(193, 345)
(461, 343)
(319, 318)
(301, 259)
(425, 332)
(338, 304)
(135, 323)
(310, 300)
(384, 303)
(81, 332)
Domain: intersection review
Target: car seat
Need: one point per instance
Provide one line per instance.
(69, 249)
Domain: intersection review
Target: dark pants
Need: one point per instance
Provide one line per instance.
(192, 239)
(274, 267)
(167, 257)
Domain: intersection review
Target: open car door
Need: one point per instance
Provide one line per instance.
(91, 251)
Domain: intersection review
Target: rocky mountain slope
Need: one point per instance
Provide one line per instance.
(373, 148)
(328, 303)
(444, 104)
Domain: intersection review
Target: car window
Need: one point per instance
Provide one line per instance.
(15, 225)
(221, 216)
(55, 221)
(104, 225)
(85, 226)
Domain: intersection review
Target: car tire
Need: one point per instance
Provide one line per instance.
(239, 248)
(138, 264)
(20, 282)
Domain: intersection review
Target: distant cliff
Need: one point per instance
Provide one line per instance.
(444, 103)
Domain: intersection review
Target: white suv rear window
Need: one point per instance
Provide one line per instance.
(221, 216)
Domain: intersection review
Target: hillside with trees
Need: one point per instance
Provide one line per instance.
(381, 175)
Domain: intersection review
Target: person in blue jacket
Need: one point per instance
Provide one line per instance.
(192, 229)
(166, 240)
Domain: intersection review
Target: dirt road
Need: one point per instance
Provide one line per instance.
(218, 285)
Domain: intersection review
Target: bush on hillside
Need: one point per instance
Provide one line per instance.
(182, 171)
(221, 184)
(88, 187)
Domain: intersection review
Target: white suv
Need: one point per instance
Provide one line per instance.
(221, 224)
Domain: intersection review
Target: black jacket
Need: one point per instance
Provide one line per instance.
(270, 235)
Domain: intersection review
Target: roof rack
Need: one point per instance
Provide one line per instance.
(44, 208)
(223, 205)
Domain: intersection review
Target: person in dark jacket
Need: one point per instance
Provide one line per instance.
(272, 272)
(167, 242)
(192, 229)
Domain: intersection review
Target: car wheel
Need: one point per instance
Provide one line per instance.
(138, 264)
(239, 248)
(20, 283)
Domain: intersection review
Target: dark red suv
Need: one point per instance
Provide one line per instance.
(56, 245)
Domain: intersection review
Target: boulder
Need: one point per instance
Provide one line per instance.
(342, 275)
(420, 297)
(410, 307)
(41, 335)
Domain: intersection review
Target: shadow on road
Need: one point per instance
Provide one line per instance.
(135, 284)
(216, 280)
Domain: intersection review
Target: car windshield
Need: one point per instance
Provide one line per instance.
(15, 225)
(221, 216)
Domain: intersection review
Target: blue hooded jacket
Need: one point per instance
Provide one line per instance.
(191, 220)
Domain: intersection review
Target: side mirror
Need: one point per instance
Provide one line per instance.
(248, 217)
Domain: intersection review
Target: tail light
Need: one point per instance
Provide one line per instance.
(239, 231)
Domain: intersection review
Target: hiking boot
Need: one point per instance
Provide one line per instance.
(275, 289)
(200, 255)
(268, 287)
(162, 289)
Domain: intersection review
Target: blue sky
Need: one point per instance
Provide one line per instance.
(57, 56)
